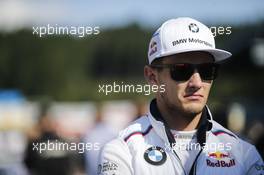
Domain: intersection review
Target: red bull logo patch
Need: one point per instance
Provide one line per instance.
(220, 160)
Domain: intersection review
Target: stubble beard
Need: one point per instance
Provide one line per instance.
(186, 111)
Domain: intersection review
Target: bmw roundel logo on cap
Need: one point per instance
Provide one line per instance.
(155, 155)
(193, 28)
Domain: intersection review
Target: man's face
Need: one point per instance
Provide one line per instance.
(190, 96)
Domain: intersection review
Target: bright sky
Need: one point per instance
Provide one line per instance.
(16, 14)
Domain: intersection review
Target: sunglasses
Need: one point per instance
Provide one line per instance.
(184, 71)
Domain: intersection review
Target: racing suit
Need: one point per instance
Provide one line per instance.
(147, 147)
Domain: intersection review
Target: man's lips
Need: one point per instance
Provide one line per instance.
(193, 96)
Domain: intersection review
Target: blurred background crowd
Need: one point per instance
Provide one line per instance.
(49, 85)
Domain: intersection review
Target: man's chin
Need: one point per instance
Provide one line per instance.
(193, 108)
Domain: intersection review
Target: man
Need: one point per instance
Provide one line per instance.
(178, 135)
(50, 161)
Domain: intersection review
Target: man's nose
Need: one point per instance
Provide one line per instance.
(195, 81)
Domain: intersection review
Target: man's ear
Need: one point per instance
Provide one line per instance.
(150, 75)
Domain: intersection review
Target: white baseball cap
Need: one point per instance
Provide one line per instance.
(183, 35)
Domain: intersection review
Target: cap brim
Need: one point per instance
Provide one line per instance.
(218, 54)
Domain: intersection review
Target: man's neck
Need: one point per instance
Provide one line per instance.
(177, 120)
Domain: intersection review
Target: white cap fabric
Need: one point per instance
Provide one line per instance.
(183, 35)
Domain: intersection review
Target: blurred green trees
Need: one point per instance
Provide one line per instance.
(70, 68)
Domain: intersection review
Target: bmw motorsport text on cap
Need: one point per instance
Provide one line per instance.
(183, 35)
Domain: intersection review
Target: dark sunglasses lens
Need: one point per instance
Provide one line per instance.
(208, 71)
(181, 72)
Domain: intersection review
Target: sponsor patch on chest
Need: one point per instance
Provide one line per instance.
(220, 159)
(155, 155)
